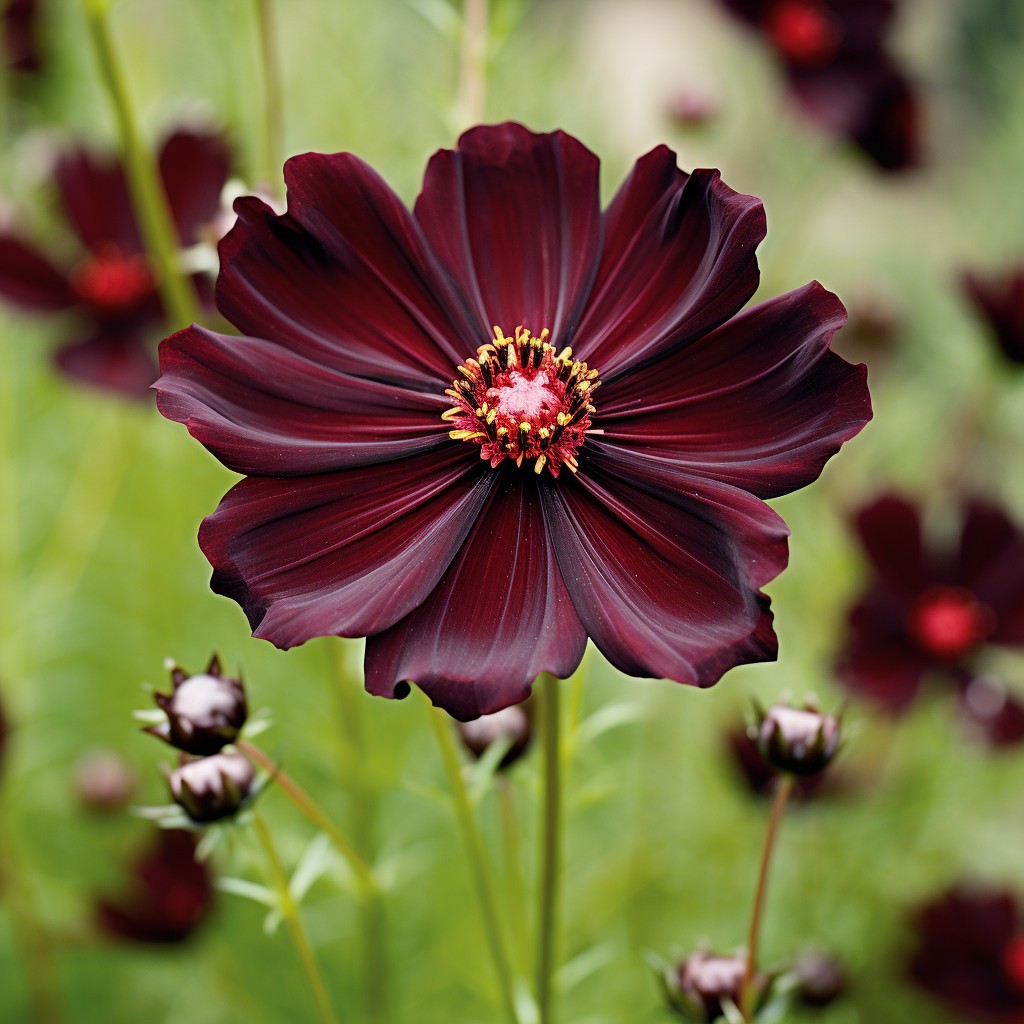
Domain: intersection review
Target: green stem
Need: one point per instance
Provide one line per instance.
(516, 885)
(354, 769)
(477, 861)
(551, 841)
(472, 99)
(782, 792)
(33, 940)
(150, 202)
(273, 131)
(311, 809)
(297, 931)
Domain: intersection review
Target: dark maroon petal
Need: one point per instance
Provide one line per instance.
(963, 940)
(1000, 302)
(263, 409)
(19, 26)
(96, 200)
(29, 279)
(499, 616)
(879, 663)
(666, 590)
(193, 167)
(347, 553)
(678, 260)
(992, 714)
(343, 278)
(890, 533)
(121, 361)
(991, 565)
(761, 402)
(890, 130)
(515, 219)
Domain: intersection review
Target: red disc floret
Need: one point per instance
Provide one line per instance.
(112, 283)
(523, 400)
(949, 622)
(803, 31)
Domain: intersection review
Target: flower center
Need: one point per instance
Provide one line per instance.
(1013, 961)
(524, 401)
(112, 283)
(948, 623)
(802, 31)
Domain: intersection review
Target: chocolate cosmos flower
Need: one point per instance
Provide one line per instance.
(970, 954)
(170, 894)
(1000, 303)
(482, 430)
(933, 611)
(111, 285)
(835, 56)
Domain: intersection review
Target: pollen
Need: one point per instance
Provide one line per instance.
(522, 400)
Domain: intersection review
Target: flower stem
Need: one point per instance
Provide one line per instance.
(472, 99)
(477, 861)
(290, 913)
(782, 792)
(516, 886)
(273, 133)
(353, 766)
(150, 202)
(311, 810)
(551, 841)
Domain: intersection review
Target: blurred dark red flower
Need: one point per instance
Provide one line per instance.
(110, 285)
(477, 531)
(19, 28)
(999, 301)
(513, 725)
(970, 954)
(931, 611)
(168, 895)
(839, 69)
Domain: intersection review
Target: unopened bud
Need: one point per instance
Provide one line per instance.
(801, 741)
(204, 712)
(700, 986)
(212, 788)
(511, 724)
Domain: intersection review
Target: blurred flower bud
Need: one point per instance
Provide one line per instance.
(104, 781)
(801, 741)
(693, 107)
(512, 724)
(698, 987)
(212, 788)
(204, 712)
(819, 976)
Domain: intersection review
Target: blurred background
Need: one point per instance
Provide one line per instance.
(887, 145)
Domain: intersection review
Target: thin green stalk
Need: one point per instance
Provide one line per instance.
(296, 929)
(551, 845)
(372, 911)
(311, 809)
(472, 99)
(40, 967)
(273, 130)
(477, 862)
(515, 885)
(147, 193)
(782, 792)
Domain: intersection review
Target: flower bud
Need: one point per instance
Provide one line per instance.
(211, 788)
(104, 781)
(512, 724)
(204, 712)
(801, 741)
(698, 987)
(819, 977)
